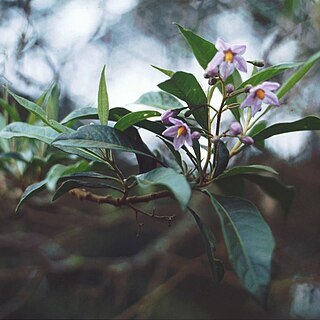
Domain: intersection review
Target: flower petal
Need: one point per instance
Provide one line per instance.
(188, 139)
(226, 69)
(238, 48)
(241, 63)
(271, 98)
(214, 63)
(221, 45)
(176, 122)
(248, 101)
(256, 106)
(178, 142)
(171, 132)
(270, 85)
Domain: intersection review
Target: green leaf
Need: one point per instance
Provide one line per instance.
(249, 242)
(152, 126)
(132, 118)
(99, 136)
(84, 175)
(72, 184)
(268, 73)
(298, 75)
(307, 123)
(202, 49)
(274, 188)
(246, 169)
(186, 87)
(31, 191)
(103, 100)
(21, 129)
(59, 170)
(176, 183)
(81, 114)
(52, 103)
(216, 266)
(222, 159)
(31, 107)
(159, 99)
(168, 73)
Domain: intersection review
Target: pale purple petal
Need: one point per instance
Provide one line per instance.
(166, 115)
(214, 63)
(171, 132)
(271, 98)
(221, 45)
(256, 106)
(226, 69)
(238, 49)
(176, 122)
(188, 139)
(256, 88)
(267, 86)
(247, 140)
(241, 63)
(178, 142)
(248, 101)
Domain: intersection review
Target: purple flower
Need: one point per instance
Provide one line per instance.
(261, 94)
(235, 128)
(247, 140)
(180, 132)
(228, 57)
(167, 115)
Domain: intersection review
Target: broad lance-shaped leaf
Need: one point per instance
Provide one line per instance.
(21, 129)
(31, 191)
(31, 107)
(134, 117)
(80, 114)
(249, 242)
(103, 100)
(307, 123)
(72, 184)
(202, 49)
(59, 170)
(269, 73)
(216, 266)
(246, 169)
(159, 99)
(176, 183)
(167, 72)
(298, 75)
(98, 136)
(186, 87)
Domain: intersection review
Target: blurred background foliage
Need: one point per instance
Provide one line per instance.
(78, 260)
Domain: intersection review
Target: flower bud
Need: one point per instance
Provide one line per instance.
(247, 88)
(257, 63)
(216, 139)
(168, 114)
(247, 140)
(211, 73)
(235, 128)
(229, 88)
(195, 135)
(212, 81)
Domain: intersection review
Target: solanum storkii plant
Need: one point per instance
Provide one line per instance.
(189, 125)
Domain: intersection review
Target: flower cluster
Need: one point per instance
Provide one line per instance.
(225, 61)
